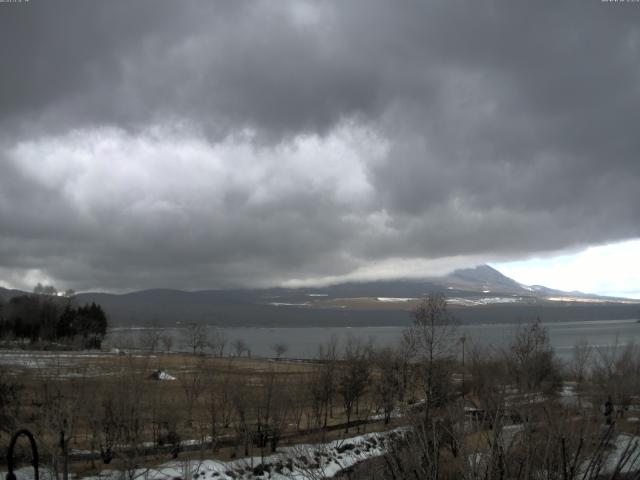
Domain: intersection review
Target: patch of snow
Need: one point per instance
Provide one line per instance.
(625, 446)
(395, 413)
(284, 304)
(470, 302)
(570, 398)
(304, 461)
(395, 299)
(573, 299)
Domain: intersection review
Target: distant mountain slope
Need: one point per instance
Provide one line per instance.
(6, 293)
(479, 294)
(484, 278)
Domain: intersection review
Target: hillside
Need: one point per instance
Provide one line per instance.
(476, 295)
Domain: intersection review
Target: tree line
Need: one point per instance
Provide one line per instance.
(47, 317)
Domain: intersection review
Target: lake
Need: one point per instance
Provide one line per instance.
(303, 342)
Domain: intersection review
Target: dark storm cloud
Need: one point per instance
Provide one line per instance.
(223, 64)
(199, 144)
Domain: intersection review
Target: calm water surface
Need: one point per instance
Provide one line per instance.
(303, 342)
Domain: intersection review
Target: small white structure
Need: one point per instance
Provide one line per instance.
(161, 375)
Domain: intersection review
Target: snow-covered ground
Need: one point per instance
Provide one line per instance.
(468, 302)
(471, 302)
(63, 364)
(36, 359)
(304, 461)
(623, 456)
(284, 304)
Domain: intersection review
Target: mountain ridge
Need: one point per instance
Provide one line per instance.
(480, 293)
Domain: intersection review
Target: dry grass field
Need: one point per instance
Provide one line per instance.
(153, 405)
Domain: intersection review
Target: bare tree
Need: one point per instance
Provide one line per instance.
(242, 401)
(192, 384)
(433, 337)
(271, 409)
(163, 421)
(150, 339)
(531, 360)
(299, 402)
(124, 418)
(489, 381)
(322, 385)
(353, 376)
(405, 354)
(167, 342)
(387, 382)
(279, 349)
(218, 341)
(196, 337)
(580, 360)
(58, 407)
(316, 394)
(239, 347)
(219, 406)
(49, 290)
(616, 374)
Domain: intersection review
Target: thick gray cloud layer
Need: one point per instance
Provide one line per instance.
(202, 144)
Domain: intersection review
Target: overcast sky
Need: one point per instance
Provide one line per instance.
(194, 144)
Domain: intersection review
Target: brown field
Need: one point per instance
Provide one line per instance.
(97, 408)
(86, 394)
